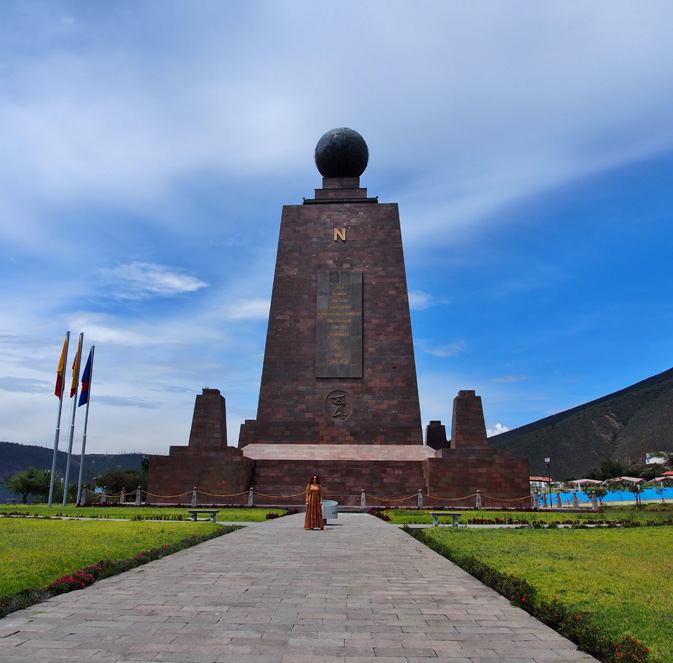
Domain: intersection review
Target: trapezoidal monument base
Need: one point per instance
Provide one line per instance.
(338, 395)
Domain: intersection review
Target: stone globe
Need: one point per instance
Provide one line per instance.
(341, 153)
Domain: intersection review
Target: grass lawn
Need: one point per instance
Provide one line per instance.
(655, 512)
(36, 552)
(623, 577)
(239, 514)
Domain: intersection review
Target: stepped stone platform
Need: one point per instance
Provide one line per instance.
(320, 452)
(389, 473)
(358, 592)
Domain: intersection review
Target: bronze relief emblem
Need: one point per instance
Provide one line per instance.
(339, 405)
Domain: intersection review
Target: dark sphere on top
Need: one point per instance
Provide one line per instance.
(341, 153)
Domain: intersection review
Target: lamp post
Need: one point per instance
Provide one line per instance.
(548, 460)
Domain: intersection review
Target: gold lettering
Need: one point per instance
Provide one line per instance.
(340, 234)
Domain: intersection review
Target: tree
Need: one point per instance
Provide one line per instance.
(31, 482)
(660, 488)
(611, 469)
(600, 492)
(72, 490)
(117, 480)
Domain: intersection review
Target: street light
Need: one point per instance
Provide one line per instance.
(548, 460)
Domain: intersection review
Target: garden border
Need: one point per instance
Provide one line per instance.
(578, 627)
(105, 568)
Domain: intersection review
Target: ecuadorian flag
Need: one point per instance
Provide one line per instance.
(60, 374)
(75, 368)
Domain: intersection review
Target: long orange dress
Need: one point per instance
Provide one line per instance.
(313, 507)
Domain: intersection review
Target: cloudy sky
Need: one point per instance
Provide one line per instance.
(148, 147)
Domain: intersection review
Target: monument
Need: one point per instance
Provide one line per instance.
(338, 395)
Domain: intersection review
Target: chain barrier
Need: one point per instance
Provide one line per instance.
(276, 496)
(450, 499)
(203, 492)
(189, 492)
(98, 496)
(391, 499)
(505, 499)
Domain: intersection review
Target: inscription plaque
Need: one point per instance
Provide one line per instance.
(339, 325)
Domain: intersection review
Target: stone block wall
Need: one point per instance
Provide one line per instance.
(219, 474)
(293, 402)
(461, 472)
(467, 427)
(435, 435)
(342, 481)
(209, 423)
(207, 463)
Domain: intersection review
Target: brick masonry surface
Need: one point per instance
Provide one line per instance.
(379, 410)
(292, 401)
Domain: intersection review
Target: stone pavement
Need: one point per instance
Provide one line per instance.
(273, 593)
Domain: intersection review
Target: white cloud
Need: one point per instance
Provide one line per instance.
(140, 280)
(24, 385)
(511, 379)
(247, 309)
(135, 137)
(496, 430)
(419, 300)
(521, 101)
(449, 350)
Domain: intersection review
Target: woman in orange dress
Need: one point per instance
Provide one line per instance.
(314, 504)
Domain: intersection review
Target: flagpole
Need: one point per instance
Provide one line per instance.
(86, 423)
(75, 388)
(64, 356)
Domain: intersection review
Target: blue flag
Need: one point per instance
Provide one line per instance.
(86, 380)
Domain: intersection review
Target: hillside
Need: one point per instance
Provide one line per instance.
(623, 426)
(17, 457)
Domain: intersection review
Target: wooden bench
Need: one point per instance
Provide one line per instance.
(11, 501)
(211, 512)
(437, 514)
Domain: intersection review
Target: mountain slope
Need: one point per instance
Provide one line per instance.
(18, 457)
(623, 426)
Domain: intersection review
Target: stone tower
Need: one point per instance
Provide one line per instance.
(339, 395)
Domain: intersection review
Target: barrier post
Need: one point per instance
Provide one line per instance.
(575, 502)
(363, 499)
(477, 500)
(103, 496)
(251, 499)
(194, 496)
(139, 496)
(122, 496)
(420, 499)
(594, 502)
(533, 500)
(558, 500)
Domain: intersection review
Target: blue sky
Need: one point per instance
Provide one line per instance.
(148, 148)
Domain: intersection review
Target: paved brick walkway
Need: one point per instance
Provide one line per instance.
(274, 593)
